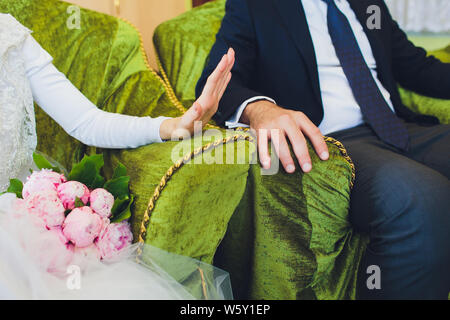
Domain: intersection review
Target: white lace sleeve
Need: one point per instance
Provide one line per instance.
(17, 123)
(79, 117)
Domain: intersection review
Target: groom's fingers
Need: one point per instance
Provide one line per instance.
(314, 134)
(300, 147)
(282, 149)
(263, 148)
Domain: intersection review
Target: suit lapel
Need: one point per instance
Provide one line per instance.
(294, 18)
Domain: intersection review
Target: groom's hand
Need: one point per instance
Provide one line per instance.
(272, 122)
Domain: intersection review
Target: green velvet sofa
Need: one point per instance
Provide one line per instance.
(289, 237)
(280, 236)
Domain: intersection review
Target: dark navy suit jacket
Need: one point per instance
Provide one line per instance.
(275, 58)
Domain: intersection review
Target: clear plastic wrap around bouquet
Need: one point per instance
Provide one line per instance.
(66, 236)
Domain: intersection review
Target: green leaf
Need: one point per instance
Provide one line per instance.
(118, 187)
(98, 182)
(15, 186)
(124, 214)
(78, 203)
(119, 206)
(120, 171)
(42, 163)
(87, 171)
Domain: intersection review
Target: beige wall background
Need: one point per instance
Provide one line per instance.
(146, 15)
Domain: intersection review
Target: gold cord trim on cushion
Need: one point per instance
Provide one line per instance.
(168, 86)
(180, 163)
(169, 90)
(173, 169)
(188, 157)
(345, 155)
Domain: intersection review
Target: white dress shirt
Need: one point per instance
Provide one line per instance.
(341, 111)
(78, 116)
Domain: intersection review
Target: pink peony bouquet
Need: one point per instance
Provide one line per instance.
(80, 212)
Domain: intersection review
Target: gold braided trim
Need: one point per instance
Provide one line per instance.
(345, 155)
(174, 168)
(168, 89)
(188, 157)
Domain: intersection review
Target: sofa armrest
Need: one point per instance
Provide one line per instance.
(187, 191)
(290, 236)
(218, 207)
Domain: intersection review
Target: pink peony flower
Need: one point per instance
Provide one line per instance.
(71, 190)
(82, 226)
(47, 206)
(42, 180)
(101, 201)
(114, 238)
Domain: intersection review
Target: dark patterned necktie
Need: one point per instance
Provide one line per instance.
(376, 111)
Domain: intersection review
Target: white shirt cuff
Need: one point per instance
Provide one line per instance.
(154, 132)
(233, 122)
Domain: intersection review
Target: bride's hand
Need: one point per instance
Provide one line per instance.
(206, 106)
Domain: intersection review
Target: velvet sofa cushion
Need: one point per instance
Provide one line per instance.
(183, 45)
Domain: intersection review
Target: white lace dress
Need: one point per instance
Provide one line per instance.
(17, 122)
(27, 75)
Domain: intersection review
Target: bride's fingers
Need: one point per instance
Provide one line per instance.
(199, 111)
(226, 75)
(223, 76)
(217, 74)
(213, 80)
(224, 87)
(229, 64)
(193, 114)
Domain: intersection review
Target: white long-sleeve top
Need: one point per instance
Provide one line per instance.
(78, 116)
